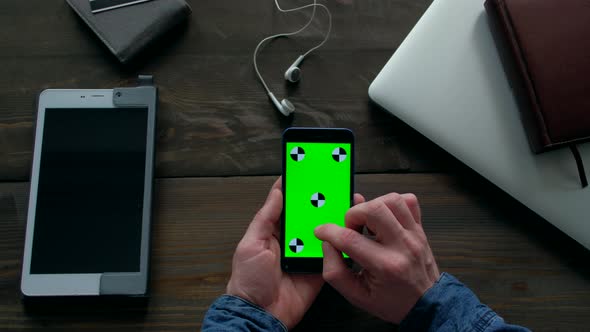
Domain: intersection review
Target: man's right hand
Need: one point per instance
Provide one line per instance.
(397, 267)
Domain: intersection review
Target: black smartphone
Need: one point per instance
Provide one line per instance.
(318, 180)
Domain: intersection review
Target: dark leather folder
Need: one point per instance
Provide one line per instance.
(549, 42)
(128, 30)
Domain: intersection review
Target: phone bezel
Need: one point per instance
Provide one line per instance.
(319, 135)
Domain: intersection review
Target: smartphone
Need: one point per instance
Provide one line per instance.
(318, 180)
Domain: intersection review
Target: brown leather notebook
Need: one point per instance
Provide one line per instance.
(550, 44)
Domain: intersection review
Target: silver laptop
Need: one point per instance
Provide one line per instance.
(446, 80)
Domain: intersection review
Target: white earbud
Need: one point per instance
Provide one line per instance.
(284, 106)
(293, 74)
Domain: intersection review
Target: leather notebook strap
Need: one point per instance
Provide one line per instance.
(580, 164)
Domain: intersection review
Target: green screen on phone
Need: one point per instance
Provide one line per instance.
(317, 191)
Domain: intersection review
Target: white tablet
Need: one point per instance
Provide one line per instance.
(88, 221)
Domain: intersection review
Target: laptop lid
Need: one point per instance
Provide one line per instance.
(447, 81)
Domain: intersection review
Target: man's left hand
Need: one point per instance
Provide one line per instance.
(256, 272)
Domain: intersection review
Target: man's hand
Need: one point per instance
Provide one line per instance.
(256, 272)
(397, 267)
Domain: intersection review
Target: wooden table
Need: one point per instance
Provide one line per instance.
(218, 151)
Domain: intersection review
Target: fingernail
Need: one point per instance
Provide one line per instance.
(317, 229)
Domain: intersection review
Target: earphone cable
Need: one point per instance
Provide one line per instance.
(314, 5)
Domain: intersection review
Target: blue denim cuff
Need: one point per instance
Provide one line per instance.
(449, 306)
(232, 313)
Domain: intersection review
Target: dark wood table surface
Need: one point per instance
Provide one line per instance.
(218, 151)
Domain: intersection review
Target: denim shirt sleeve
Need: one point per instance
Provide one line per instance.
(450, 306)
(231, 313)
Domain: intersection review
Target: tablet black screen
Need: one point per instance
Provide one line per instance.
(90, 194)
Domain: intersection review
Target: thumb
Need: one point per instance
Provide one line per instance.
(342, 278)
(265, 223)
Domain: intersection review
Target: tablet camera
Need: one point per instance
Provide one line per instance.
(318, 200)
(297, 153)
(296, 245)
(339, 154)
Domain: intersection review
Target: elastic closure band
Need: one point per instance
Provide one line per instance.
(580, 165)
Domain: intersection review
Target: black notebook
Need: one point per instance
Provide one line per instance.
(128, 30)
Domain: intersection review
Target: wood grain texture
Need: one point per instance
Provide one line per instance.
(214, 117)
(217, 27)
(521, 266)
